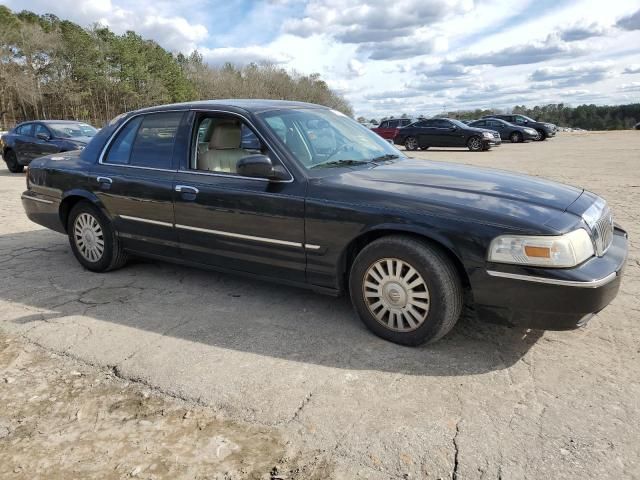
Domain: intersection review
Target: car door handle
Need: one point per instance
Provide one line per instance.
(187, 189)
(104, 182)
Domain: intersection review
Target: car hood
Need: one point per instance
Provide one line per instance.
(481, 194)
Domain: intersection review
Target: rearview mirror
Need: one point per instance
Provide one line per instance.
(260, 166)
(43, 136)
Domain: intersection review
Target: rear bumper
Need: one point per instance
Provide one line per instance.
(551, 299)
(43, 210)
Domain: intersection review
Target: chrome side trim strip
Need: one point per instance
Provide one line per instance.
(41, 200)
(146, 220)
(310, 246)
(239, 235)
(552, 281)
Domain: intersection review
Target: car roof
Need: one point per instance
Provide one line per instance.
(247, 104)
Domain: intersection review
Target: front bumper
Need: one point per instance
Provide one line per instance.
(529, 136)
(551, 299)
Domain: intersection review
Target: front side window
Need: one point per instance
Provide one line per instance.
(72, 129)
(320, 137)
(41, 129)
(221, 141)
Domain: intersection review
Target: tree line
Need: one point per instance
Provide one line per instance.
(55, 69)
(589, 117)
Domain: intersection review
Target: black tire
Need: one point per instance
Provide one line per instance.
(424, 148)
(112, 256)
(516, 137)
(441, 280)
(475, 144)
(11, 159)
(411, 143)
(542, 135)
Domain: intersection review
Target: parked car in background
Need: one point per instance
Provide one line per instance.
(445, 132)
(388, 129)
(507, 131)
(31, 140)
(408, 240)
(545, 130)
(637, 127)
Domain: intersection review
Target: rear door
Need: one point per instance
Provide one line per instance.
(238, 223)
(134, 181)
(22, 142)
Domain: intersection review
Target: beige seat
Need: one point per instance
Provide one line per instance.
(224, 148)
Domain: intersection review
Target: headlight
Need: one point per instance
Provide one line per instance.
(566, 250)
(530, 131)
(487, 134)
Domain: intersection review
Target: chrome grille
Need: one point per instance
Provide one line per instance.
(603, 232)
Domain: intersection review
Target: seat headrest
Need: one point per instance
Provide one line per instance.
(226, 135)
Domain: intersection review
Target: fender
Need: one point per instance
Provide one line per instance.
(67, 201)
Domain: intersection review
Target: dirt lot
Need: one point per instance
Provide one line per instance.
(158, 371)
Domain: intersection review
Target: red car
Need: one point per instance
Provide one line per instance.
(388, 129)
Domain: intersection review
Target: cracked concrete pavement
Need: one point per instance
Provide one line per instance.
(485, 402)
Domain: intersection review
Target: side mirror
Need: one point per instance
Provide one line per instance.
(43, 136)
(259, 166)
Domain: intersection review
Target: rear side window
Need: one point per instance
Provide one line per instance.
(146, 141)
(24, 129)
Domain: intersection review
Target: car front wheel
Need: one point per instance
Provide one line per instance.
(474, 144)
(542, 135)
(411, 143)
(11, 159)
(93, 239)
(516, 137)
(405, 290)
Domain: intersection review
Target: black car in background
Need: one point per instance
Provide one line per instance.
(507, 131)
(445, 132)
(31, 140)
(545, 130)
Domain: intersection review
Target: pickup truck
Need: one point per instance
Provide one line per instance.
(388, 129)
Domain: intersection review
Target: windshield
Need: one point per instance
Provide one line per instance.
(70, 129)
(524, 117)
(319, 137)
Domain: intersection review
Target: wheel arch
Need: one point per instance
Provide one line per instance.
(424, 235)
(71, 198)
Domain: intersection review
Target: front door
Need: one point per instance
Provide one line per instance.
(134, 182)
(238, 223)
(42, 145)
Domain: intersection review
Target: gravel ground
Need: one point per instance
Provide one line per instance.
(160, 371)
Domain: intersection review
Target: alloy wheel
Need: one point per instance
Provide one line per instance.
(475, 143)
(411, 143)
(89, 237)
(396, 294)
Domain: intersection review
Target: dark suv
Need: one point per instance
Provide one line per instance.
(388, 129)
(445, 132)
(545, 130)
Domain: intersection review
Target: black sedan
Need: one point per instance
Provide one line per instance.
(303, 195)
(31, 140)
(445, 132)
(507, 131)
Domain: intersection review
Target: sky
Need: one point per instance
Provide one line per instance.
(402, 56)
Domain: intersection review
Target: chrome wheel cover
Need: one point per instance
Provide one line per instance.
(396, 295)
(475, 143)
(88, 236)
(411, 143)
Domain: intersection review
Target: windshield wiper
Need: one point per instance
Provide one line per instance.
(388, 156)
(340, 163)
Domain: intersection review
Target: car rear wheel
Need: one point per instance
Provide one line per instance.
(411, 143)
(11, 159)
(405, 290)
(541, 135)
(93, 239)
(474, 144)
(515, 137)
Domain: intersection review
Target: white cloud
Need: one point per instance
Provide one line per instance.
(242, 55)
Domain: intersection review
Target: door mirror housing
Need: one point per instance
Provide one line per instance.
(43, 136)
(260, 166)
